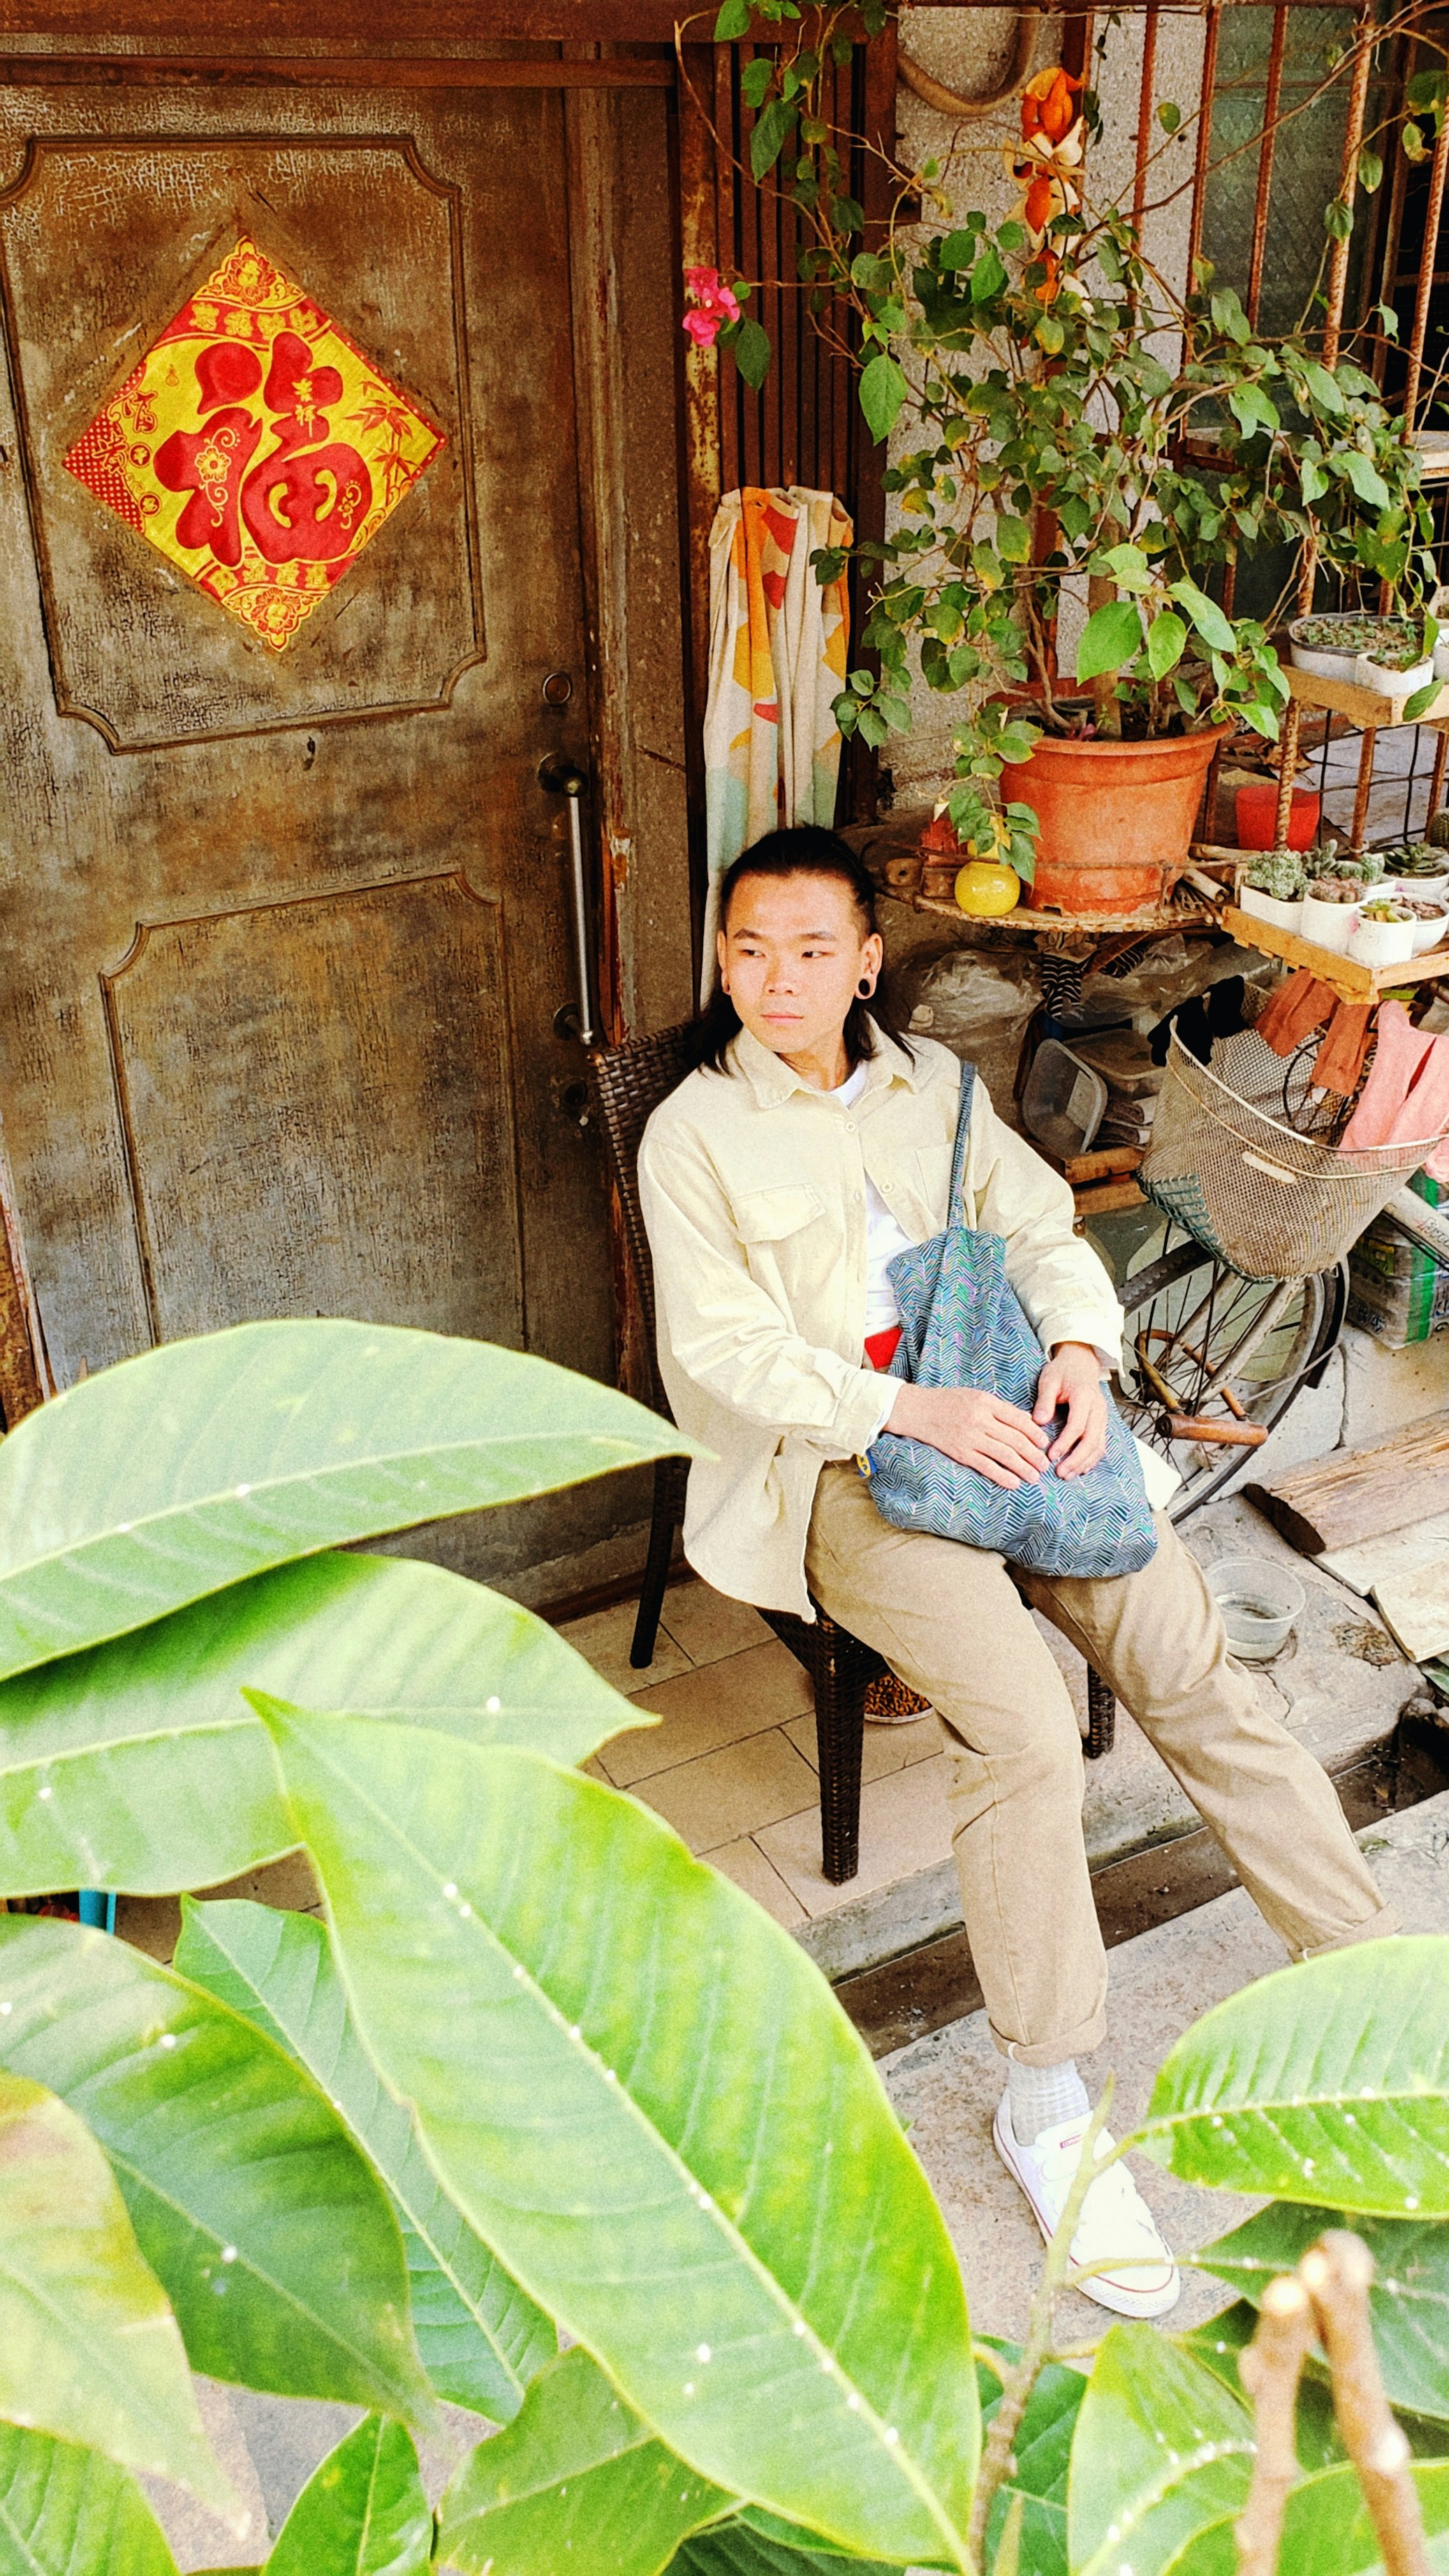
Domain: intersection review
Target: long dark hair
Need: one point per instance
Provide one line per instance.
(805, 850)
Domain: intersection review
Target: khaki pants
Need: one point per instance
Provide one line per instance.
(951, 1622)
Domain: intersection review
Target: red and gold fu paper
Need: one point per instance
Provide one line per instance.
(256, 447)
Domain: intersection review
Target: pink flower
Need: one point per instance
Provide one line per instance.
(713, 304)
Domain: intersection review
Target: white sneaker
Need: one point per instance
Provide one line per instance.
(1116, 2224)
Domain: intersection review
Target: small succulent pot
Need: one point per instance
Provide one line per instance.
(1379, 938)
(1268, 907)
(1388, 677)
(1420, 869)
(1430, 919)
(1328, 919)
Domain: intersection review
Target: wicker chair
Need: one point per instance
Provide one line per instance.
(626, 1084)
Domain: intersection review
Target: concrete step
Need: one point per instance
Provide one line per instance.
(1340, 1684)
(947, 2086)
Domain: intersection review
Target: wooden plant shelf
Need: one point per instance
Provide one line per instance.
(1159, 918)
(1355, 982)
(1362, 707)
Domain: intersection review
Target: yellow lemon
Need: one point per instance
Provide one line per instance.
(987, 886)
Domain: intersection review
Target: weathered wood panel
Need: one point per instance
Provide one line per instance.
(372, 235)
(352, 1052)
(326, 1076)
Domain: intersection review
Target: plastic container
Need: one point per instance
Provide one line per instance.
(1266, 907)
(1256, 809)
(1064, 1100)
(1382, 943)
(1387, 683)
(1259, 1600)
(1325, 661)
(1328, 925)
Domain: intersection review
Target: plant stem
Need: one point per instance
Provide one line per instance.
(1337, 2272)
(1036, 2351)
(1270, 2370)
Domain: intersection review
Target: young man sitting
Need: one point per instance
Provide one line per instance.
(779, 1182)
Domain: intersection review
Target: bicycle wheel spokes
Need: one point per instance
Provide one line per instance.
(1203, 1342)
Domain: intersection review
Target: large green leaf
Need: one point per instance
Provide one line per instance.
(89, 2349)
(1409, 2296)
(1219, 2340)
(576, 2481)
(734, 2226)
(1327, 2083)
(65, 2511)
(1112, 635)
(480, 2336)
(1040, 2456)
(361, 2513)
(139, 1765)
(201, 1462)
(271, 2235)
(1217, 2343)
(1327, 2530)
(741, 2548)
(1161, 2450)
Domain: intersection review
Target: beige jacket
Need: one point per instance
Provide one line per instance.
(754, 1197)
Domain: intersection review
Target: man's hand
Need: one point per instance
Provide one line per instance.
(982, 1431)
(1073, 1377)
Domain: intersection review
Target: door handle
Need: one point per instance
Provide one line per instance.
(562, 778)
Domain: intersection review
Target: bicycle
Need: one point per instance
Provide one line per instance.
(1225, 1327)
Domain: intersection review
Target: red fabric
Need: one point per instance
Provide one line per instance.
(1298, 1006)
(1340, 1058)
(881, 1348)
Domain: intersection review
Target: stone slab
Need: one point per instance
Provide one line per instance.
(947, 2086)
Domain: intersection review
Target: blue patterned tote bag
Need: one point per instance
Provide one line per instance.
(963, 1325)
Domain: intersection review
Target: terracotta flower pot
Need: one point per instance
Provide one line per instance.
(1116, 818)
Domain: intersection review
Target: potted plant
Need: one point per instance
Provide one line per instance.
(1397, 666)
(1383, 934)
(1050, 444)
(1418, 868)
(1272, 888)
(1329, 912)
(1329, 644)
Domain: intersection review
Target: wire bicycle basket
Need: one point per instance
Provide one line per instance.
(1272, 1202)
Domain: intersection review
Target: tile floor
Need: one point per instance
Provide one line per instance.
(731, 1763)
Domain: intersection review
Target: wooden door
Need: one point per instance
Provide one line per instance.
(283, 907)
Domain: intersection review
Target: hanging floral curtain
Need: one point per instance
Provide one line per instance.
(777, 659)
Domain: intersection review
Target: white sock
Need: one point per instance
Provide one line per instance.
(1040, 2097)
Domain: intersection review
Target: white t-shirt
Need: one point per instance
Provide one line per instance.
(883, 1237)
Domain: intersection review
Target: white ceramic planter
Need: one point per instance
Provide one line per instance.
(1382, 943)
(1369, 674)
(1431, 934)
(1441, 658)
(1266, 907)
(1328, 925)
(1432, 889)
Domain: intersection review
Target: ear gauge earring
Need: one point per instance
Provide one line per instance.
(865, 988)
